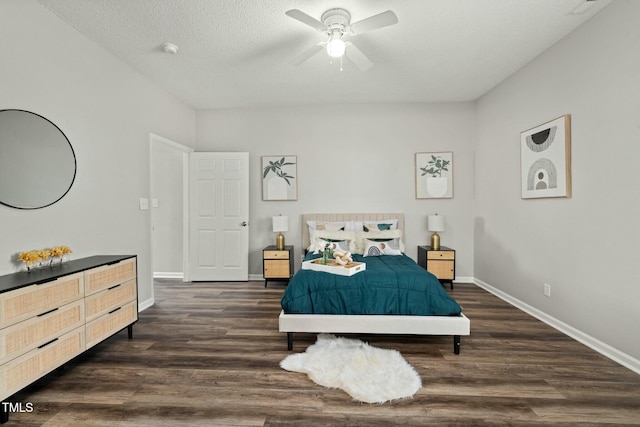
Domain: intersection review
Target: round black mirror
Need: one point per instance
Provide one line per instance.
(37, 162)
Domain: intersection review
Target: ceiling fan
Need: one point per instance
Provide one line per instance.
(336, 23)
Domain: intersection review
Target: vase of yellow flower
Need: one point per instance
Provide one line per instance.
(66, 253)
(61, 253)
(30, 258)
(45, 257)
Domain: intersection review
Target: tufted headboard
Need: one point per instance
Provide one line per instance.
(322, 217)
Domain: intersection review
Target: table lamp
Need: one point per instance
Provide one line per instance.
(436, 223)
(280, 224)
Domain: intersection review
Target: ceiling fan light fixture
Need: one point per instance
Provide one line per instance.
(336, 46)
(336, 23)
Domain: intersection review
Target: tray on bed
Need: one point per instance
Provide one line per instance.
(333, 267)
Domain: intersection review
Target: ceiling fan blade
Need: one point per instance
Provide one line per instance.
(358, 58)
(306, 19)
(307, 54)
(374, 22)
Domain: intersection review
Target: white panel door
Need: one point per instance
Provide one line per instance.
(218, 216)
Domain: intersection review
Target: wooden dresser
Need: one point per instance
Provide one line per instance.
(49, 316)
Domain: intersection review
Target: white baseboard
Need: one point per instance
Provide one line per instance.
(180, 275)
(591, 342)
(168, 275)
(143, 305)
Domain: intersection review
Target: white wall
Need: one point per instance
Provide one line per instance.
(361, 158)
(107, 111)
(352, 158)
(585, 247)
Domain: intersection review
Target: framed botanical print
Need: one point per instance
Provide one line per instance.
(434, 175)
(545, 159)
(279, 178)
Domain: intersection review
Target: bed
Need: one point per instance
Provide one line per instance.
(393, 318)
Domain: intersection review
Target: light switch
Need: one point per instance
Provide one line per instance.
(144, 204)
(155, 203)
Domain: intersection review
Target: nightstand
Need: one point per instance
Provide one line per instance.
(277, 264)
(441, 263)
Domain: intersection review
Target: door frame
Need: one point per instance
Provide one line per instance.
(185, 150)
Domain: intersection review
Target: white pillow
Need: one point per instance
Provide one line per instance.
(361, 236)
(317, 235)
(372, 248)
(353, 226)
(324, 225)
(332, 226)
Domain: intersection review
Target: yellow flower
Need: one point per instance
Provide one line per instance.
(32, 257)
(29, 257)
(44, 254)
(58, 251)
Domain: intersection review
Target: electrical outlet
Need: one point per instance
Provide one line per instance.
(547, 290)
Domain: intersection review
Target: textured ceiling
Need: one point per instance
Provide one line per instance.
(236, 53)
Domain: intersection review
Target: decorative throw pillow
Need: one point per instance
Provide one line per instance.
(339, 236)
(335, 245)
(376, 227)
(387, 224)
(358, 245)
(373, 248)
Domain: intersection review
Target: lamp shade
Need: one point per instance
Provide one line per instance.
(280, 223)
(436, 223)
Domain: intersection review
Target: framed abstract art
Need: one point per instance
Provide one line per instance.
(434, 175)
(279, 178)
(545, 159)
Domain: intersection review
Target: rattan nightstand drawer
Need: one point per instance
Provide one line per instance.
(276, 254)
(451, 255)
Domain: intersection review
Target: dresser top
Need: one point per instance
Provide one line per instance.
(21, 279)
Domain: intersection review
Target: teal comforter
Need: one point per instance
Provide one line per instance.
(393, 285)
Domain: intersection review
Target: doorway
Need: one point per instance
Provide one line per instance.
(168, 206)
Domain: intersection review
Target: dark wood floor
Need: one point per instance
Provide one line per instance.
(207, 354)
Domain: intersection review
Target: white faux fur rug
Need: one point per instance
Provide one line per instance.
(369, 374)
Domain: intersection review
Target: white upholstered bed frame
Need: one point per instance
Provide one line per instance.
(369, 324)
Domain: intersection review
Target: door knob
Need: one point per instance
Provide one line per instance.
(244, 223)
